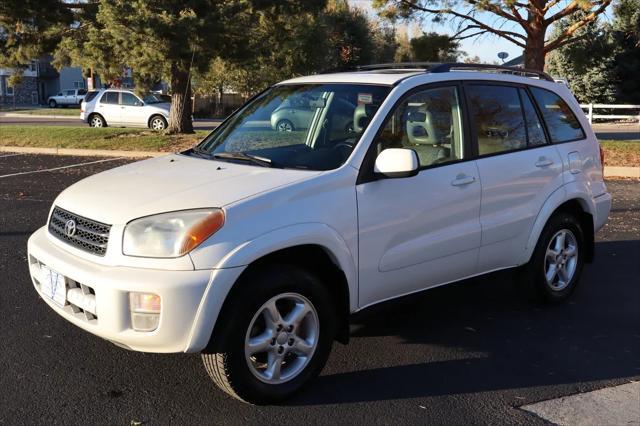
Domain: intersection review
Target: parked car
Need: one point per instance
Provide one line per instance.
(296, 113)
(256, 246)
(67, 97)
(124, 108)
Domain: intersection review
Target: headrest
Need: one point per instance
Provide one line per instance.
(362, 115)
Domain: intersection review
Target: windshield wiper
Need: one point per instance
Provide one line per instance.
(260, 161)
(201, 152)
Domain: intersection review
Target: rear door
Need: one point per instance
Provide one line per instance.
(421, 231)
(109, 107)
(518, 168)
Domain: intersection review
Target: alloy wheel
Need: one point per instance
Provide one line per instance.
(561, 259)
(282, 338)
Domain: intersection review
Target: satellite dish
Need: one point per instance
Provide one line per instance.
(503, 55)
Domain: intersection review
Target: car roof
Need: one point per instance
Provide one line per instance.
(381, 77)
(393, 73)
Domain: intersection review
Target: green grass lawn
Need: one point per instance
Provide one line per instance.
(66, 112)
(95, 138)
(621, 153)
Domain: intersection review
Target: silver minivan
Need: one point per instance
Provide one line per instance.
(124, 108)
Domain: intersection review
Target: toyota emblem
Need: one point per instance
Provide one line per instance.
(70, 228)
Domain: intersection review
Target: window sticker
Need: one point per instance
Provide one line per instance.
(365, 98)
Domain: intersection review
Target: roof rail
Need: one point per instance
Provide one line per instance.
(436, 67)
(489, 67)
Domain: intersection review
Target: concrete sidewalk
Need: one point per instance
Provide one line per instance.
(618, 405)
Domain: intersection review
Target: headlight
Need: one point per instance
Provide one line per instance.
(170, 234)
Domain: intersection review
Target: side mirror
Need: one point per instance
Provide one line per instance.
(397, 163)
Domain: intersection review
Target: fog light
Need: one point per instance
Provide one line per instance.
(145, 311)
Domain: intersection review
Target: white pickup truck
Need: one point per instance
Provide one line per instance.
(67, 97)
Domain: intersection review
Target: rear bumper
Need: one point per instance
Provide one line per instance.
(181, 295)
(602, 208)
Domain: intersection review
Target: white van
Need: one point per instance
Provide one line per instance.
(255, 247)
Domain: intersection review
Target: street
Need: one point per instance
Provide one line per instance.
(472, 352)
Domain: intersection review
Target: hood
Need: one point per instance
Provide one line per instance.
(169, 183)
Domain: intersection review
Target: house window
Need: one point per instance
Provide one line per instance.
(78, 84)
(9, 90)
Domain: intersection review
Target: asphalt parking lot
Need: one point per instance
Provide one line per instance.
(463, 354)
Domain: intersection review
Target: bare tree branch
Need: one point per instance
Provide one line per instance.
(507, 35)
(571, 8)
(568, 33)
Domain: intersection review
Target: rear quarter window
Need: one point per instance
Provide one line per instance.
(562, 124)
(90, 96)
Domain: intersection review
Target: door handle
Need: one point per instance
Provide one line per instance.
(461, 180)
(543, 162)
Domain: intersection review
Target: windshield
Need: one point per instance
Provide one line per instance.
(152, 98)
(310, 126)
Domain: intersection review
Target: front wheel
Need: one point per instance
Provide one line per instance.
(284, 126)
(555, 267)
(276, 336)
(158, 123)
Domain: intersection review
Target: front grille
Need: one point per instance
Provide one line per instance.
(89, 236)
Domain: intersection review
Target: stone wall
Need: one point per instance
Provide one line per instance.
(22, 93)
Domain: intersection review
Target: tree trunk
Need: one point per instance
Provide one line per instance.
(180, 114)
(534, 51)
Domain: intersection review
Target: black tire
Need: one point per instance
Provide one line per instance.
(96, 120)
(161, 123)
(225, 361)
(532, 275)
(285, 125)
(53, 103)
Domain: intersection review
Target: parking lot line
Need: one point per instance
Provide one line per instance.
(60, 168)
(11, 155)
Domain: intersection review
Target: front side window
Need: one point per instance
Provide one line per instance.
(497, 117)
(130, 99)
(428, 122)
(110, 98)
(305, 126)
(70, 92)
(561, 122)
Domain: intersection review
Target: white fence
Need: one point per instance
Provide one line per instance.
(591, 115)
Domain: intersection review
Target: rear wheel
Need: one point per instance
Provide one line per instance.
(554, 270)
(158, 123)
(276, 336)
(284, 126)
(96, 120)
(52, 103)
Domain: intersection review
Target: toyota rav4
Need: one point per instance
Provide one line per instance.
(255, 247)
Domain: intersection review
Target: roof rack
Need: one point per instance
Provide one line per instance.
(436, 67)
(525, 72)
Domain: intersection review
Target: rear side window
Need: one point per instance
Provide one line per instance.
(562, 124)
(109, 98)
(90, 96)
(498, 118)
(535, 132)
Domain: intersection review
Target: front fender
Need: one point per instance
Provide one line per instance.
(230, 267)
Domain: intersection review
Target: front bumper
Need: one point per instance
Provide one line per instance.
(181, 295)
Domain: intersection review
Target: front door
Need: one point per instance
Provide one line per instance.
(132, 110)
(421, 231)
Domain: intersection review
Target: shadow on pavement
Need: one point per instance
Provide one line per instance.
(496, 340)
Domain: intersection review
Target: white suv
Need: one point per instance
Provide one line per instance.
(115, 107)
(256, 246)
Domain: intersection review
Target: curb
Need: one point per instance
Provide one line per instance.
(82, 152)
(53, 117)
(629, 172)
